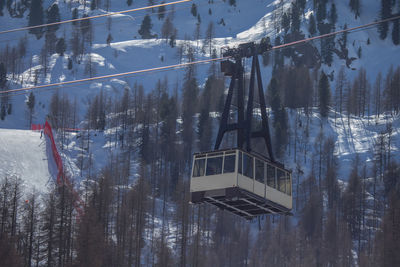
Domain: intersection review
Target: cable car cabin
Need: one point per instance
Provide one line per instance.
(245, 184)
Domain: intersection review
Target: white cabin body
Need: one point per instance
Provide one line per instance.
(244, 183)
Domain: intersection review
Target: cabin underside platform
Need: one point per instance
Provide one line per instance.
(238, 201)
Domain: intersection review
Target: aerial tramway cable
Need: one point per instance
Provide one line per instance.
(95, 17)
(361, 27)
(175, 66)
(334, 33)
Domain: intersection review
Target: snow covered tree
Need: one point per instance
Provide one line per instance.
(324, 95)
(145, 28)
(36, 18)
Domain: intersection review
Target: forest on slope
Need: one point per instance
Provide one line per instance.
(137, 209)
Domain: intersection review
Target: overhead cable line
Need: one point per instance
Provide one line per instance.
(176, 66)
(95, 17)
(334, 33)
(195, 62)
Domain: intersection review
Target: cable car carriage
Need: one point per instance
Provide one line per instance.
(239, 179)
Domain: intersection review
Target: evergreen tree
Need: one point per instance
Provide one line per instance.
(278, 56)
(3, 75)
(145, 28)
(69, 63)
(61, 46)
(312, 28)
(355, 7)
(209, 38)
(273, 95)
(129, 2)
(396, 32)
(161, 11)
(36, 18)
(343, 39)
(295, 18)
(74, 15)
(302, 5)
(321, 11)
(109, 39)
(285, 22)
(281, 130)
(333, 15)
(324, 95)
(2, 2)
(53, 15)
(193, 10)
(4, 98)
(232, 2)
(167, 29)
(386, 11)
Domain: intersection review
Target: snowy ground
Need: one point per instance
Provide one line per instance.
(243, 23)
(23, 155)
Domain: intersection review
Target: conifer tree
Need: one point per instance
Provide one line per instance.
(386, 11)
(324, 95)
(74, 15)
(3, 75)
(36, 17)
(396, 32)
(145, 28)
(61, 46)
(321, 11)
(2, 2)
(355, 7)
(93, 5)
(302, 5)
(312, 28)
(333, 15)
(161, 11)
(3, 82)
(53, 15)
(295, 18)
(193, 10)
(285, 22)
(129, 2)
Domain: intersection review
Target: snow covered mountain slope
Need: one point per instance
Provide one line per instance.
(23, 155)
(245, 22)
(127, 52)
